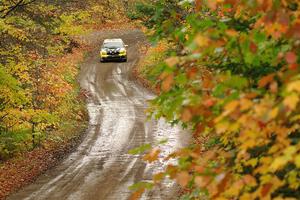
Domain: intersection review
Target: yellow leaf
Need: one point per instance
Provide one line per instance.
(295, 118)
(252, 162)
(222, 127)
(264, 165)
(234, 127)
(294, 86)
(291, 101)
(202, 41)
(297, 161)
(290, 151)
(246, 196)
(245, 104)
(186, 37)
(274, 149)
(274, 112)
(235, 189)
(220, 198)
(250, 143)
(278, 163)
(231, 106)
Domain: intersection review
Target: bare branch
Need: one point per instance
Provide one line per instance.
(10, 9)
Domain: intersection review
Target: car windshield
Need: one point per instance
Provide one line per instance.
(113, 45)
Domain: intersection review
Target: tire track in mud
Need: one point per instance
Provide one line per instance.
(101, 167)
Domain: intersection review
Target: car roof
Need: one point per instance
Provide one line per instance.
(113, 40)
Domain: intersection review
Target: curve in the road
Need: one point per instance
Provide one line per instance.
(101, 167)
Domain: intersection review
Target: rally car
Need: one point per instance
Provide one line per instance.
(113, 49)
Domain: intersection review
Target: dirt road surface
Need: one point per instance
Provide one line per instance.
(101, 167)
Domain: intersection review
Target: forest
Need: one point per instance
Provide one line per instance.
(39, 56)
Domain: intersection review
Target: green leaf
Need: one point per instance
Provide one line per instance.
(141, 185)
(236, 82)
(140, 149)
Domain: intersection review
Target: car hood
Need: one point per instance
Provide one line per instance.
(112, 49)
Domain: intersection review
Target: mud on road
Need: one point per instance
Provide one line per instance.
(101, 167)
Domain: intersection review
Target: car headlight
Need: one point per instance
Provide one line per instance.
(122, 51)
(103, 52)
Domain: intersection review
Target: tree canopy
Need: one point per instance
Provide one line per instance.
(38, 88)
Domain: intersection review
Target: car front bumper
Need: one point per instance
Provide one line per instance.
(113, 57)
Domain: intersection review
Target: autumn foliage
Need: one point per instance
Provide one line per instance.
(40, 52)
(233, 80)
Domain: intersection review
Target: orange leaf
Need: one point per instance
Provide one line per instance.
(183, 178)
(158, 177)
(253, 47)
(199, 169)
(231, 106)
(172, 171)
(163, 75)
(266, 189)
(198, 5)
(274, 87)
(167, 83)
(202, 181)
(191, 73)
(199, 129)
(172, 61)
(293, 66)
(202, 41)
(266, 80)
(186, 115)
(209, 102)
(232, 33)
(291, 57)
(152, 155)
(137, 195)
(249, 180)
(212, 4)
(207, 83)
(246, 104)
